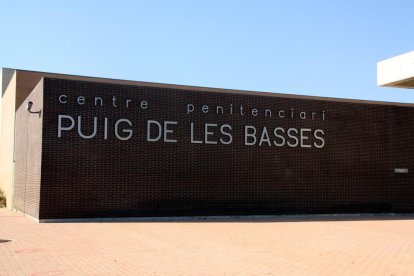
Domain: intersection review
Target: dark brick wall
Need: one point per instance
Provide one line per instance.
(95, 177)
(28, 152)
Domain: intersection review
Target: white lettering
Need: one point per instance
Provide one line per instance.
(264, 137)
(129, 131)
(230, 137)
(315, 134)
(159, 128)
(289, 132)
(81, 100)
(95, 128)
(281, 144)
(192, 136)
(208, 133)
(167, 131)
(190, 108)
(61, 99)
(60, 128)
(303, 137)
(247, 134)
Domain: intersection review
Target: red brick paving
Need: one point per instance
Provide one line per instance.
(382, 246)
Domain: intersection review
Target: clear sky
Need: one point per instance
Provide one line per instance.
(322, 48)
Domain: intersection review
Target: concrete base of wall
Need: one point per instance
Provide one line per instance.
(261, 218)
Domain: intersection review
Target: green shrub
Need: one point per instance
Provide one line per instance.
(2, 199)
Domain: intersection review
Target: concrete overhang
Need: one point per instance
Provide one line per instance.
(396, 71)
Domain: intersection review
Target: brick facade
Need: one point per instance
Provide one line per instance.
(349, 170)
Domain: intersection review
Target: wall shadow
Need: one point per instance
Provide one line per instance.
(243, 219)
(4, 241)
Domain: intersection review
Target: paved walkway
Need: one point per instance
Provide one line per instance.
(382, 246)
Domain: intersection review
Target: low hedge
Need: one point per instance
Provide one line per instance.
(2, 199)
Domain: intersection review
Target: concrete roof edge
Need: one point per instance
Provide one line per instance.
(6, 76)
(396, 84)
(209, 89)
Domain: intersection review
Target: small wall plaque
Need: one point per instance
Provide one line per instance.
(400, 170)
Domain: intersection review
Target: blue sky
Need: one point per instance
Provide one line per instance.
(322, 48)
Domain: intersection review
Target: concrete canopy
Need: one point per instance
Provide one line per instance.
(396, 71)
